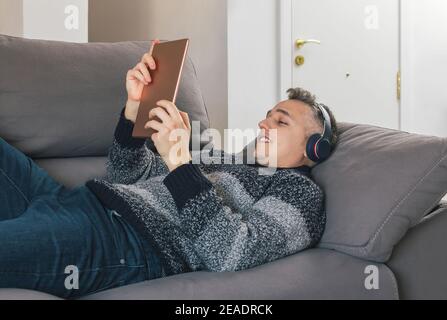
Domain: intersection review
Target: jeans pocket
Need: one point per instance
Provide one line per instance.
(116, 221)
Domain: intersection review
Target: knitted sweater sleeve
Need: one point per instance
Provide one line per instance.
(129, 159)
(289, 217)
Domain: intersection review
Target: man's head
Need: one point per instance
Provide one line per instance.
(295, 120)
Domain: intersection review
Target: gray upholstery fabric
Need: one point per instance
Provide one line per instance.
(311, 274)
(60, 99)
(419, 261)
(74, 171)
(378, 183)
(22, 294)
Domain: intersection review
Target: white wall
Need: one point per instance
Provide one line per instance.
(252, 61)
(424, 66)
(45, 19)
(63, 20)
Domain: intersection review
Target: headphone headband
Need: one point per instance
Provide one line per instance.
(327, 126)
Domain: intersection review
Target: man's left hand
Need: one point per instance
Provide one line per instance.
(173, 133)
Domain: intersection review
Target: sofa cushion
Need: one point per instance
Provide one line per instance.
(25, 294)
(378, 183)
(74, 171)
(60, 99)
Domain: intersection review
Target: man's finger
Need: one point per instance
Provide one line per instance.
(149, 60)
(162, 114)
(170, 108)
(154, 42)
(136, 74)
(154, 125)
(143, 69)
(185, 117)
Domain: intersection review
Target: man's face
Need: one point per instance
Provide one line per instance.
(282, 140)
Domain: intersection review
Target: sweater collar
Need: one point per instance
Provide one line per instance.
(305, 170)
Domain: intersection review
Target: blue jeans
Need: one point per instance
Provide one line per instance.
(63, 241)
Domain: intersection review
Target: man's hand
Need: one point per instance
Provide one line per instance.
(136, 79)
(173, 133)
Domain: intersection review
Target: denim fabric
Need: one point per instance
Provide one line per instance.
(63, 241)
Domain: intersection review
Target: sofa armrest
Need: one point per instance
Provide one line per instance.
(419, 260)
(310, 274)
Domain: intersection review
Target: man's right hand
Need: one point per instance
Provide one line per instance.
(136, 79)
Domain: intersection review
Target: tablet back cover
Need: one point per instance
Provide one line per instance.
(169, 57)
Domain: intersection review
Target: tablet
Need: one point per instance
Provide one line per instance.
(169, 58)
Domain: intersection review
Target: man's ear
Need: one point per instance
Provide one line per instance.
(307, 161)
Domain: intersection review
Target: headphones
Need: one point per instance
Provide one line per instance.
(319, 147)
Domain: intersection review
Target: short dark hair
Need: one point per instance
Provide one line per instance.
(308, 98)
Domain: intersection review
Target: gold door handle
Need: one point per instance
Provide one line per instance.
(301, 42)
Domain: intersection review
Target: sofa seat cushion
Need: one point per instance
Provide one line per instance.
(378, 183)
(24, 294)
(74, 171)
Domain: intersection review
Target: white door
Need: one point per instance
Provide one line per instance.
(424, 67)
(354, 68)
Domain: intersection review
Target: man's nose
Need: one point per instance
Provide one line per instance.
(263, 125)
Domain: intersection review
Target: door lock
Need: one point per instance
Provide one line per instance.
(299, 60)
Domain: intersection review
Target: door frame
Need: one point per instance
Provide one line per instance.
(286, 52)
(404, 35)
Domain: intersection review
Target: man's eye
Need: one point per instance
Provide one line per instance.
(282, 122)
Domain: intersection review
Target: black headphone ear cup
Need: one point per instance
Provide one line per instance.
(311, 147)
(323, 149)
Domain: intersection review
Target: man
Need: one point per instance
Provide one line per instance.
(161, 213)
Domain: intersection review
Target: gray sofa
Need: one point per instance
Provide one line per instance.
(385, 232)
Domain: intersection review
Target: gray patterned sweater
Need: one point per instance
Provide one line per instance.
(218, 216)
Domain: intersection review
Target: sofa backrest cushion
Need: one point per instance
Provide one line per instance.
(378, 183)
(61, 99)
